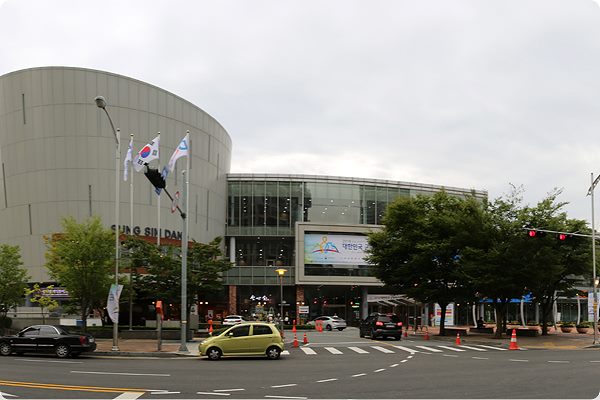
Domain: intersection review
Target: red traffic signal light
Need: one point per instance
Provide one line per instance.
(563, 236)
(533, 233)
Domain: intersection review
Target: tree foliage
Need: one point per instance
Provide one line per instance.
(161, 279)
(13, 278)
(82, 260)
(42, 298)
(419, 250)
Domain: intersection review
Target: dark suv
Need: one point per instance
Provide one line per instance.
(381, 325)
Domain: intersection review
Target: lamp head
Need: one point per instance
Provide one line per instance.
(281, 271)
(100, 102)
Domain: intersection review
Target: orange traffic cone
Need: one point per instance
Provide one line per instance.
(294, 327)
(405, 332)
(458, 339)
(305, 340)
(513, 341)
(295, 340)
(426, 334)
(210, 328)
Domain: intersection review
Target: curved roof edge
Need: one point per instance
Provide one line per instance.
(120, 76)
(352, 180)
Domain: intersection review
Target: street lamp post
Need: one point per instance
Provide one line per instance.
(101, 103)
(594, 281)
(281, 272)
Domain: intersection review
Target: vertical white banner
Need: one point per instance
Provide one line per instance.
(112, 304)
(449, 317)
(591, 305)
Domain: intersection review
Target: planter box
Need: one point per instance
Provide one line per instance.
(566, 329)
(482, 330)
(454, 331)
(582, 330)
(524, 332)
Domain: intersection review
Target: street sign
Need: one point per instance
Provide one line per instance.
(303, 309)
(175, 202)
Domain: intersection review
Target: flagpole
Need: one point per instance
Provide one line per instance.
(184, 247)
(131, 233)
(158, 199)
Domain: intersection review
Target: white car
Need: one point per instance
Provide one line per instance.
(233, 320)
(330, 323)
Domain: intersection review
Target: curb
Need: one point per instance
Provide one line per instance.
(137, 354)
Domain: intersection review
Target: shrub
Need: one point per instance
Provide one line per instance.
(583, 324)
(567, 324)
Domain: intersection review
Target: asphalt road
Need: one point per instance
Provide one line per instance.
(339, 365)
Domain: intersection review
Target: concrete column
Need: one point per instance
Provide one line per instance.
(364, 303)
(232, 256)
(232, 306)
(299, 301)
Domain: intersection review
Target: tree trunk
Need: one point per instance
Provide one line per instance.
(545, 306)
(443, 319)
(500, 308)
(84, 313)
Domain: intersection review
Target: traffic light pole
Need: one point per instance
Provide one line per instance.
(594, 285)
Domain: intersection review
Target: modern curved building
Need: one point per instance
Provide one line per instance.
(57, 159)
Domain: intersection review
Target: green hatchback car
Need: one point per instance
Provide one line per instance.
(246, 339)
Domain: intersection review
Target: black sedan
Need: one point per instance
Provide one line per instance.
(47, 339)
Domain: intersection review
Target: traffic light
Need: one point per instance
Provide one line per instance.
(155, 178)
(534, 233)
(563, 237)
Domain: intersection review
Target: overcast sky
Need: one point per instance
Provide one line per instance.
(474, 94)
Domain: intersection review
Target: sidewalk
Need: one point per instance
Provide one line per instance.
(170, 348)
(554, 339)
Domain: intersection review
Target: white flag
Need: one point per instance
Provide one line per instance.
(148, 153)
(128, 159)
(183, 150)
(112, 303)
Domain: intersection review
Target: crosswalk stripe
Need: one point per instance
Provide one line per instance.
(492, 347)
(382, 349)
(308, 350)
(285, 353)
(429, 349)
(451, 348)
(358, 350)
(408, 349)
(472, 348)
(333, 350)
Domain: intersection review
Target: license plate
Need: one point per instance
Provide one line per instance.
(390, 325)
(92, 340)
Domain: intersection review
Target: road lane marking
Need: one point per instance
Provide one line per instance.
(383, 349)
(358, 350)
(7, 394)
(449, 355)
(512, 359)
(286, 385)
(480, 358)
(409, 357)
(308, 350)
(284, 397)
(379, 370)
(53, 361)
(472, 348)
(451, 348)
(357, 375)
(327, 380)
(117, 373)
(163, 392)
(408, 349)
(215, 394)
(492, 347)
(229, 390)
(333, 350)
(285, 353)
(403, 361)
(394, 365)
(429, 349)
(564, 362)
(129, 396)
(37, 385)
(595, 361)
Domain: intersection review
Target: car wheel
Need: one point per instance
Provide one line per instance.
(213, 353)
(273, 352)
(372, 335)
(62, 350)
(328, 327)
(340, 329)
(5, 349)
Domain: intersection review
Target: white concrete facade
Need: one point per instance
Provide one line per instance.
(57, 157)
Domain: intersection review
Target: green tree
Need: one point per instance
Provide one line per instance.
(495, 264)
(554, 266)
(81, 259)
(419, 250)
(162, 277)
(13, 279)
(40, 296)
